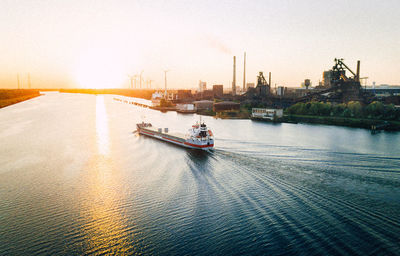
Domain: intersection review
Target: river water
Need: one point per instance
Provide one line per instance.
(75, 180)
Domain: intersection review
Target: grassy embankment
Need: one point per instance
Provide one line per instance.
(12, 96)
(341, 121)
(352, 114)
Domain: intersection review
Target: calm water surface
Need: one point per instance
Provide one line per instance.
(75, 180)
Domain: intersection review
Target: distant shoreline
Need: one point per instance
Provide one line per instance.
(12, 96)
(139, 93)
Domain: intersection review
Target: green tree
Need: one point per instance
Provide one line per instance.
(297, 109)
(337, 110)
(389, 112)
(375, 110)
(317, 108)
(326, 109)
(356, 109)
(313, 109)
(346, 113)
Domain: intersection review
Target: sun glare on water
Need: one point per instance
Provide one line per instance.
(102, 126)
(100, 69)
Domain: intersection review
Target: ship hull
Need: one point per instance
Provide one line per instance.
(177, 140)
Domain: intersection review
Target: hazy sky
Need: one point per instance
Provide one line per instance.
(97, 43)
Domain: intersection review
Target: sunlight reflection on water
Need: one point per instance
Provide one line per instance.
(104, 227)
(102, 126)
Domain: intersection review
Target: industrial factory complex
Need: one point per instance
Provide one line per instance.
(339, 99)
(339, 85)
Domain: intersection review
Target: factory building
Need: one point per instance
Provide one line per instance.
(384, 90)
(208, 94)
(226, 106)
(327, 78)
(185, 108)
(266, 113)
(184, 94)
(280, 91)
(218, 90)
(203, 104)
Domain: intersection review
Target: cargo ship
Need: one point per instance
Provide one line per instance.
(198, 137)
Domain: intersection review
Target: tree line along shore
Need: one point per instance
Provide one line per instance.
(352, 114)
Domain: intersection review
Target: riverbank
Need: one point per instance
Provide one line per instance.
(342, 121)
(12, 96)
(352, 114)
(245, 113)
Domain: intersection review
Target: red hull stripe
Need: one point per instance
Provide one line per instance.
(190, 144)
(147, 133)
(199, 146)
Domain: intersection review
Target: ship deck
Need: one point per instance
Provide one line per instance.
(174, 135)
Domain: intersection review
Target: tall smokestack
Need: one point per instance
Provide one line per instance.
(234, 77)
(358, 71)
(244, 73)
(165, 83)
(269, 82)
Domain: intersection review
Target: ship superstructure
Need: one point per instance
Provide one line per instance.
(198, 137)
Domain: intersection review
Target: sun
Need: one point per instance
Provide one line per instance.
(99, 69)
